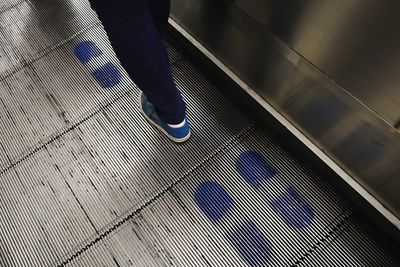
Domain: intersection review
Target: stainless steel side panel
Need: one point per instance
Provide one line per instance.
(354, 42)
(348, 131)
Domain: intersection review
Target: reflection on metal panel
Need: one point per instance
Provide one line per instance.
(319, 112)
(367, 144)
(354, 42)
(317, 105)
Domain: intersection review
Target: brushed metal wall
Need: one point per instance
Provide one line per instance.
(354, 42)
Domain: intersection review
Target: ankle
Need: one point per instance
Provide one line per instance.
(179, 125)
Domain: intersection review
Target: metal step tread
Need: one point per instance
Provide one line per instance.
(85, 181)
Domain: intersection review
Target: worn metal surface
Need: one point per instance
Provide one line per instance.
(85, 181)
(360, 142)
(176, 232)
(103, 163)
(365, 246)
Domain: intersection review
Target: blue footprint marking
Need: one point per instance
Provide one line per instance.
(86, 51)
(108, 74)
(251, 244)
(247, 239)
(293, 209)
(213, 200)
(254, 168)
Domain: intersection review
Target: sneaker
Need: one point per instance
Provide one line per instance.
(178, 135)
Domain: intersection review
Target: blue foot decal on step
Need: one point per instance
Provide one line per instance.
(251, 244)
(213, 200)
(293, 209)
(248, 240)
(87, 50)
(106, 73)
(254, 168)
(107, 76)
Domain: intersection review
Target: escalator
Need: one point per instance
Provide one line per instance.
(85, 181)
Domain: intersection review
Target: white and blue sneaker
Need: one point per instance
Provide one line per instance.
(177, 133)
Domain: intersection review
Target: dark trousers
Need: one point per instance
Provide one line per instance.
(135, 29)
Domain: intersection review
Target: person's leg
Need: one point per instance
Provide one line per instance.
(140, 49)
(160, 10)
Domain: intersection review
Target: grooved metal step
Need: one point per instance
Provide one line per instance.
(85, 181)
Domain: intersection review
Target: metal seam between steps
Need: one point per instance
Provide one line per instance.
(331, 232)
(48, 50)
(58, 134)
(9, 7)
(61, 132)
(133, 213)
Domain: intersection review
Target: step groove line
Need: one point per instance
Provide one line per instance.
(48, 50)
(9, 7)
(58, 134)
(246, 131)
(331, 232)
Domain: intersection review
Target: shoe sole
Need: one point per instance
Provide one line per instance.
(174, 139)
